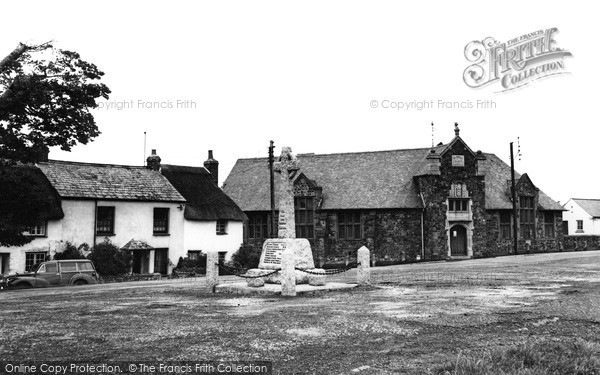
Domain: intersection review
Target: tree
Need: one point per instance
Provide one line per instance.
(45, 99)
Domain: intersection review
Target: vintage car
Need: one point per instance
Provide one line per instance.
(55, 272)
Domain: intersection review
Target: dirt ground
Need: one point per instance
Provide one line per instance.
(413, 319)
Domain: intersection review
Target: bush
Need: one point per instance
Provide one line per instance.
(71, 252)
(187, 265)
(110, 260)
(247, 256)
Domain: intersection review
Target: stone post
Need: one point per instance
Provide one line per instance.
(288, 273)
(212, 270)
(363, 271)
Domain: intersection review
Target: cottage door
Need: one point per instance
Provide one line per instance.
(141, 261)
(458, 240)
(161, 261)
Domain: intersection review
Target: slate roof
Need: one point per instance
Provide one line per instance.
(134, 244)
(591, 206)
(205, 200)
(363, 180)
(497, 193)
(108, 182)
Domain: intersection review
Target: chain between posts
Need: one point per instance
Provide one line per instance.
(327, 272)
(237, 272)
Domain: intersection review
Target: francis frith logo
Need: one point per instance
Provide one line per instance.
(514, 63)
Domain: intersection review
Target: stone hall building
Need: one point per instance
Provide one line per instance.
(445, 202)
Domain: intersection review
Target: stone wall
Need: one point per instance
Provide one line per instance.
(496, 246)
(581, 242)
(393, 236)
(435, 190)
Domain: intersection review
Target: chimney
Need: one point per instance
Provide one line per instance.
(481, 163)
(213, 167)
(434, 161)
(153, 161)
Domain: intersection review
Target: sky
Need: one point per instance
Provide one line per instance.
(323, 77)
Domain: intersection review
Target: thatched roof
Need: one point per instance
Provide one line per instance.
(205, 200)
(20, 177)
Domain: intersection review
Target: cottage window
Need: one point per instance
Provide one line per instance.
(527, 217)
(36, 230)
(505, 227)
(221, 227)
(305, 223)
(549, 225)
(580, 226)
(161, 221)
(105, 220)
(458, 205)
(349, 225)
(31, 259)
(258, 225)
(222, 255)
(194, 254)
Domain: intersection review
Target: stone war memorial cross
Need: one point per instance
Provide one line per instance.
(287, 254)
(286, 166)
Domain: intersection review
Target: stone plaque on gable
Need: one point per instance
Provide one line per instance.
(458, 160)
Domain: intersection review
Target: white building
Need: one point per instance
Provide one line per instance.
(92, 203)
(213, 221)
(582, 216)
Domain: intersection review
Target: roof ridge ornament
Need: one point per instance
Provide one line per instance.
(456, 129)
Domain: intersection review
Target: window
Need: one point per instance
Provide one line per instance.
(222, 257)
(258, 225)
(68, 267)
(549, 225)
(527, 217)
(580, 226)
(194, 254)
(105, 220)
(305, 222)
(36, 230)
(48, 268)
(221, 227)
(85, 266)
(161, 221)
(505, 225)
(458, 205)
(31, 259)
(349, 226)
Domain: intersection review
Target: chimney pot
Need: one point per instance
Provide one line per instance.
(213, 167)
(153, 161)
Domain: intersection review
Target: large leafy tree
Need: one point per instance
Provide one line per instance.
(46, 95)
(45, 99)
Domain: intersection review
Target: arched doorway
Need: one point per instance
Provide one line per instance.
(458, 240)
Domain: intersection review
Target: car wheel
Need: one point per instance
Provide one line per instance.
(80, 282)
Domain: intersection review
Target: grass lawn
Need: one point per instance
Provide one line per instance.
(535, 314)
